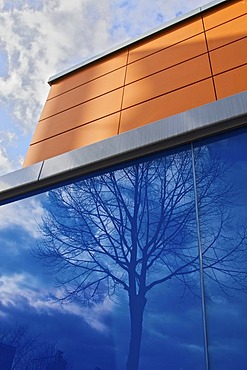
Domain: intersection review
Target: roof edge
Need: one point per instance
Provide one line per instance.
(116, 48)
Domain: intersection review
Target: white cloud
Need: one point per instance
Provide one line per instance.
(6, 138)
(41, 40)
(26, 214)
(136, 17)
(43, 37)
(10, 142)
(22, 290)
(5, 163)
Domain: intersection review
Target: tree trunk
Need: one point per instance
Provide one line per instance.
(137, 305)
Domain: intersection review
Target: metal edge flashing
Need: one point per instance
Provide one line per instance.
(182, 128)
(18, 181)
(123, 45)
(174, 130)
(135, 40)
(212, 4)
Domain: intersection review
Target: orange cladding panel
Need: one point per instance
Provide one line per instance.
(77, 138)
(224, 13)
(231, 82)
(167, 105)
(163, 82)
(166, 58)
(166, 73)
(165, 39)
(227, 32)
(79, 115)
(88, 73)
(229, 56)
(83, 93)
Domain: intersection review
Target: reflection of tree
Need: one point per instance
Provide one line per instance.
(135, 228)
(31, 352)
(223, 232)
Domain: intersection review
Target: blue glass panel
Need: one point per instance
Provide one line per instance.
(223, 221)
(106, 270)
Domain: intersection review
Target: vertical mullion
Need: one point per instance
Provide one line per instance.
(205, 333)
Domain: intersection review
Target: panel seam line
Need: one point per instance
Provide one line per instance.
(124, 84)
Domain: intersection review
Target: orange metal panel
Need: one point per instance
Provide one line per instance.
(231, 82)
(224, 13)
(88, 91)
(227, 32)
(78, 116)
(88, 73)
(166, 58)
(229, 56)
(163, 82)
(74, 139)
(165, 39)
(167, 105)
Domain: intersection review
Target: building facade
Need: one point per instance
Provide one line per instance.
(124, 237)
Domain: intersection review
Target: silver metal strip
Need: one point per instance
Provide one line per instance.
(185, 127)
(205, 333)
(20, 178)
(164, 133)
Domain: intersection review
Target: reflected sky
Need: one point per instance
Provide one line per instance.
(148, 205)
(97, 223)
(226, 297)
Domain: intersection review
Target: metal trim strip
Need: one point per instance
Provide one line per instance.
(212, 118)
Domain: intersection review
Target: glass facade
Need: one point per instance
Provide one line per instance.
(224, 245)
(140, 266)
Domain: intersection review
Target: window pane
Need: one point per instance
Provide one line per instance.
(223, 216)
(106, 270)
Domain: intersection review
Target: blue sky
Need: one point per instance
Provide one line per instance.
(39, 38)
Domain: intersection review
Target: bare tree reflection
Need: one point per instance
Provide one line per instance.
(223, 233)
(31, 352)
(134, 228)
